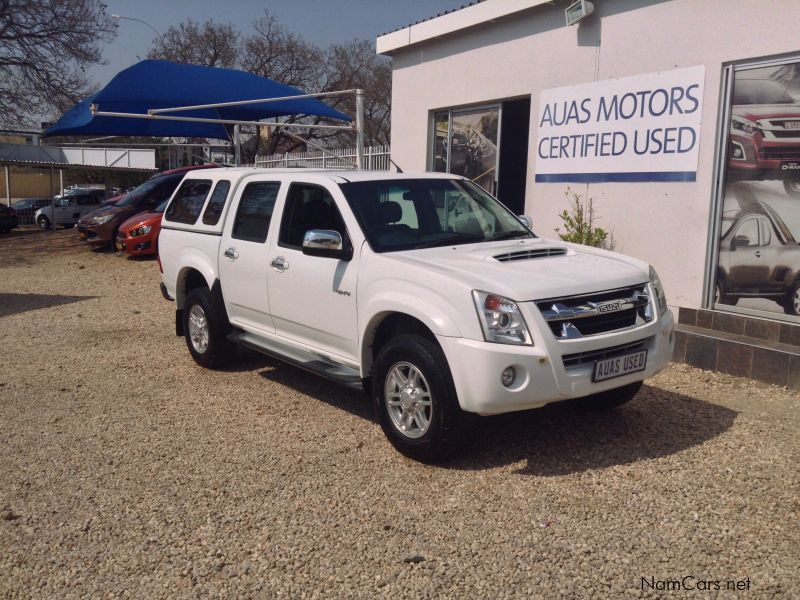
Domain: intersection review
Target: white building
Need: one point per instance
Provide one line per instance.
(679, 118)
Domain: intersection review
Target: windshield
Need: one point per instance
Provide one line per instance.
(152, 191)
(760, 91)
(406, 214)
(161, 207)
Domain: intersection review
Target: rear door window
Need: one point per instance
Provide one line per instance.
(254, 213)
(188, 201)
(217, 203)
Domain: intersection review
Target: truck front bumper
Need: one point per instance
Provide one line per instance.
(541, 375)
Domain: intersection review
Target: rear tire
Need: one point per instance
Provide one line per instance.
(205, 329)
(415, 399)
(611, 399)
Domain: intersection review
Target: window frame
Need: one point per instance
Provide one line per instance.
(252, 240)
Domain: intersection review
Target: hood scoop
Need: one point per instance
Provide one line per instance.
(530, 254)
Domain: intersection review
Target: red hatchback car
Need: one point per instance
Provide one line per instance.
(138, 236)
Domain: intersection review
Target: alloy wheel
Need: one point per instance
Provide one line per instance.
(408, 400)
(198, 328)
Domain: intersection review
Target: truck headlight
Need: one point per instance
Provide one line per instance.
(102, 219)
(501, 319)
(744, 126)
(661, 297)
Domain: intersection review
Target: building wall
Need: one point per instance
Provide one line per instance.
(28, 183)
(666, 224)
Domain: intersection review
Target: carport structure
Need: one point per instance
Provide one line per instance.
(161, 98)
(59, 158)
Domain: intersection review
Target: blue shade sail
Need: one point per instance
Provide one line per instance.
(162, 84)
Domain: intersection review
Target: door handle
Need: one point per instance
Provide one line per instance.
(758, 253)
(231, 254)
(279, 264)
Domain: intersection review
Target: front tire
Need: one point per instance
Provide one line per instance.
(205, 328)
(611, 399)
(792, 188)
(791, 302)
(415, 399)
(43, 222)
(721, 295)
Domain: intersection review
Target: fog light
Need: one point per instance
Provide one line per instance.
(508, 376)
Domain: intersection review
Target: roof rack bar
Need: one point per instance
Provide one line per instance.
(155, 111)
(102, 113)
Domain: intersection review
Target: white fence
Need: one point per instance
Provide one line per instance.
(376, 158)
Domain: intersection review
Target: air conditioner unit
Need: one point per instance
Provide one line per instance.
(578, 11)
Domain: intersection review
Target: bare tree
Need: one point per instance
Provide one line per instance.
(209, 44)
(45, 46)
(355, 65)
(274, 52)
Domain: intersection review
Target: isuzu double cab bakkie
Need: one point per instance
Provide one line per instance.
(420, 288)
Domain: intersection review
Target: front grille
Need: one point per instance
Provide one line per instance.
(785, 133)
(591, 314)
(528, 254)
(779, 153)
(578, 359)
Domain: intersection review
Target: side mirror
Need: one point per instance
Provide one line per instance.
(740, 241)
(326, 243)
(526, 220)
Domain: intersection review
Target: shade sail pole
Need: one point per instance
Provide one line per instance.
(359, 129)
(237, 145)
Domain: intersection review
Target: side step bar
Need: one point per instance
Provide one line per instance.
(341, 374)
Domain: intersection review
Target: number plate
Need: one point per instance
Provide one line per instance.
(608, 368)
(790, 165)
(792, 124)
(82, 235)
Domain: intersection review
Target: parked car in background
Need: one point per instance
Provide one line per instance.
(27, 207)
(113, 199)
(765, 133)
(758, 258)
(100, 227)
(66, 210)
(138, 236)
(8, 219)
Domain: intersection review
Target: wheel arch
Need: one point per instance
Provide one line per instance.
(385, 325)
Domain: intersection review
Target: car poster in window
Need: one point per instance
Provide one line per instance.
(759, 256)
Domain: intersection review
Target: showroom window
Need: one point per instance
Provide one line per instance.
(465, 142)
(755, 256)
(487, 144)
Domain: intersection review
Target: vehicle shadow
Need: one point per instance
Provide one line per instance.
(561, 439)
(13, 304)
(353, 401)
(555, 440)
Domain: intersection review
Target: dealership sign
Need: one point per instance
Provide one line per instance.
(642, 128)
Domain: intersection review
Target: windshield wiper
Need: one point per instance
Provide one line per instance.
(509, 235)
(461, 238)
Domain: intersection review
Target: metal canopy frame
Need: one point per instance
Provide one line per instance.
(163, 114)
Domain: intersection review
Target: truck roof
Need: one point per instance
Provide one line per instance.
(338, 176)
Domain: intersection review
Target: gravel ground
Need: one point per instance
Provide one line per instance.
(126, 470)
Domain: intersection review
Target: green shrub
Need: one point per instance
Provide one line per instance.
(580, 224)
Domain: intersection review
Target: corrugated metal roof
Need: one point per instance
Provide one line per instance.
(26, 155)
(441, 14)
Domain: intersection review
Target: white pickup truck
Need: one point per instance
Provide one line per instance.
(420, 288)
